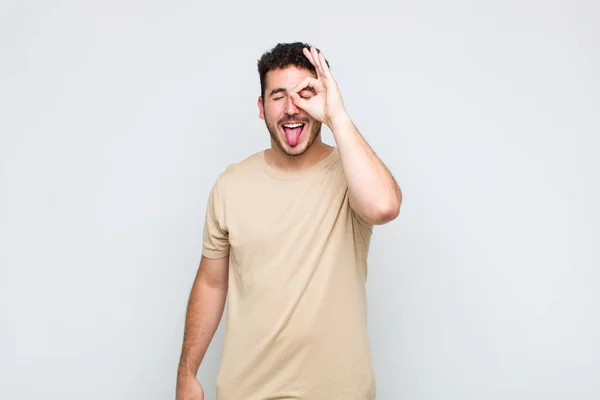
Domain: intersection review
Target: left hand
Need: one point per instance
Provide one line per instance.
(326, 104)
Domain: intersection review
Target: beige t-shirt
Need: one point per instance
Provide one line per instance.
(296, 321)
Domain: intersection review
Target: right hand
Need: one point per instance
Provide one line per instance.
(189, 389)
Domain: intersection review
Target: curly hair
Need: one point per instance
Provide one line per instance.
(281, 56)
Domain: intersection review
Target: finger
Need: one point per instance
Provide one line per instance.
(315, 55)
(324, 66)
(308, 54)
(322, 63)
(307, 82)
(298, 101)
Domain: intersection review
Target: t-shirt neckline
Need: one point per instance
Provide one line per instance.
(297, 174)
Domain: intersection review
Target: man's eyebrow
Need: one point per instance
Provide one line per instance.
(275, 91)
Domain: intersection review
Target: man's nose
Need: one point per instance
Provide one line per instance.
(290, 107)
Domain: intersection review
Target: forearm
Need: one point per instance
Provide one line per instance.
(204, 312)
(374, 193)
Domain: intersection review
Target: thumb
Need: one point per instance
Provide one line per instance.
(298, 101)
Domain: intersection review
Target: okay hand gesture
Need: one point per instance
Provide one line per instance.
(326, 104)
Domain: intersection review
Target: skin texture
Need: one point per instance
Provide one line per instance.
(313, 99)
(205, 310)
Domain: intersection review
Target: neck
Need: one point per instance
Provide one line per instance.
(278, 159)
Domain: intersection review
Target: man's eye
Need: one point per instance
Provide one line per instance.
(277, 98)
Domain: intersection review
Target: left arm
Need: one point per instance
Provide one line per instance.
(374, 193)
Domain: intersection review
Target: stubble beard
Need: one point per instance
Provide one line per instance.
(275, 135)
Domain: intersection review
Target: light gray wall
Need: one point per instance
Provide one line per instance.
(116, 117)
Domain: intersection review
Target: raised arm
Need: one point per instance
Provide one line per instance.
(204, 312)
(374, 193)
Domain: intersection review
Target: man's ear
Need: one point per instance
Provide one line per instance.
(261, 108)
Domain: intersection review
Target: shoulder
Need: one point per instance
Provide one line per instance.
(239, 171)
(333, 167)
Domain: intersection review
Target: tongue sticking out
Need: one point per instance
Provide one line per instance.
(293, 134)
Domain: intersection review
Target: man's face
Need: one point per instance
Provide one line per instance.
(292, 129)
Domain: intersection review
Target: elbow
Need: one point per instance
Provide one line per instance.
(387, 211)
(379, 210)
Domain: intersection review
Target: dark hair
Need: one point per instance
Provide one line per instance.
(281, 56)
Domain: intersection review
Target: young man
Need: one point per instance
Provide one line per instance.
(286, 237)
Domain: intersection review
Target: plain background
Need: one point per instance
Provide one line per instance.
(116, 117)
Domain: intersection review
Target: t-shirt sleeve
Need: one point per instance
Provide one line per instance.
(360, 220)
(362, 232)
(216, 236)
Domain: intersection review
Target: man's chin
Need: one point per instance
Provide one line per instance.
(296, 150)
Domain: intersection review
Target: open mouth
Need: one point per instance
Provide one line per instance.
(293, 131)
